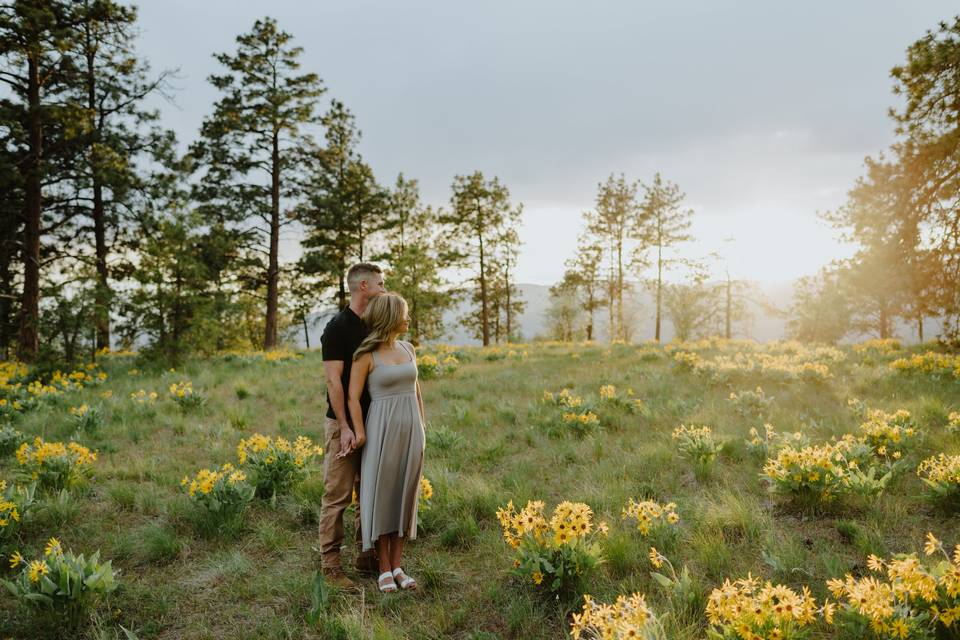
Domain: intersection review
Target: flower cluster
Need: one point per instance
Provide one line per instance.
(806, 366)
(697, 444)
(649, 514)
(186, 396)
(628, 617)
(912, 599)
(771, 441)
(9, 409)
(55, 465)
(431, 366)
(751, 404)
(558, 552)
(878, 346)
(426, 492)
(817, 471)
(86, 419)
(61, 582)
(939, 365)
(942, 474)
(749, 609)
(222, 495)
(276, 463)
(563, 398)
(580, 422)
(15, 501)
(142, 397)
(888, 433)
(953, 422)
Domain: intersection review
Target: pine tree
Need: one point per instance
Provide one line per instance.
(661, 224)
(480, 211)
(611, 223)
(251, 145)
(112, 89)
(418, 257)
(35, 39)
(344, 206)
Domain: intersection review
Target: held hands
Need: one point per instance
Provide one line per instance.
(350, 442)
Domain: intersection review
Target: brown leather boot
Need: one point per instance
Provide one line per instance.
(368, 564)
(335, 576)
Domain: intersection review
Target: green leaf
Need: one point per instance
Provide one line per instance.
(662, 580)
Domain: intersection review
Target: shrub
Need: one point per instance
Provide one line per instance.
(15, 502)
(86, 419)
(953, 423)
(10, 439)
(62, 585)
(751, 404)
(942, 474)
(771, 442)
(276, 464)
(186, 397)
(580, 423)
(888, 433)
(697, 444)
(9, 409)
(143, 398)
(555, 555)
(54, 465)
(221, 497)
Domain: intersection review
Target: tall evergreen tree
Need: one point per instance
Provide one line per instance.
(251, 145)
(417, 256)
(584, 276)
(113, 85)
(42, 133)
(662, 223)
(480, 210)
(344, 205)
(611, 223)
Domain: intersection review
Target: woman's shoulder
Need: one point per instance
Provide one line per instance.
(408, 345)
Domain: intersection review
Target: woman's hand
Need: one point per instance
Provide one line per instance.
(361, 439)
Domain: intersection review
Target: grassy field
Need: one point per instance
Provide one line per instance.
(491, 438)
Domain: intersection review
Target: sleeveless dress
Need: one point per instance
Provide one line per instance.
(391, 461)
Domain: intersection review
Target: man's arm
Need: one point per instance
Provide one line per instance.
(333, 370)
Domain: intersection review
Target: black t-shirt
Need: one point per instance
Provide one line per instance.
(341, 337)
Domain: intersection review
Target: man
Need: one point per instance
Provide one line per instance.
(341, 463)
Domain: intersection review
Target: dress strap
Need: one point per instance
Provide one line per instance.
(407, 349)
(373, 354)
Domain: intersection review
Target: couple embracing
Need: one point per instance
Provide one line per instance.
(374, 432)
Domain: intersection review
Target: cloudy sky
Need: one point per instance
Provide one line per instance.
(762, 111)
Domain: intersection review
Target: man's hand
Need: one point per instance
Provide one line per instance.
(348, 442)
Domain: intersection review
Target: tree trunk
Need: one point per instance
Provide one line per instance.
(509, 325)
(102, 291)
(273, 269)
(342, 291)
(306, 334)
(30, 304)
(920, 326)
(884, 330)
(621, 334)
(484, 320)
(659, 288)
(727, 332)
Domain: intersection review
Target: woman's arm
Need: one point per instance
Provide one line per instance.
(358, 379)
(423, 416)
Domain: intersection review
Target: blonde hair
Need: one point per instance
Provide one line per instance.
(384, 317)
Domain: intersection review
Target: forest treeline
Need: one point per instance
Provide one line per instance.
(115, 233)
(903, 216)
(112, 238)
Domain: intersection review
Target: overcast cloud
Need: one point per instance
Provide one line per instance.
(762, 111)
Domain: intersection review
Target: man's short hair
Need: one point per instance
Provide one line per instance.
(361, 271)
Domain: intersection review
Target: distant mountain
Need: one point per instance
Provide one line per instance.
(763, 325)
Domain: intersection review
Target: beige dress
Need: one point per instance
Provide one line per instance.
(392, 458)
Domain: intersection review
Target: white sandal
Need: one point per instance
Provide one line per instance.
(406, 582)
(386, 587)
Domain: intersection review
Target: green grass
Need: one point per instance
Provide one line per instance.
(489, 440)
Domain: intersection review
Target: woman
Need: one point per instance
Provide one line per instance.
(392, 436)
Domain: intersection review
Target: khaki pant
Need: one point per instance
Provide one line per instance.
(341, 477)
